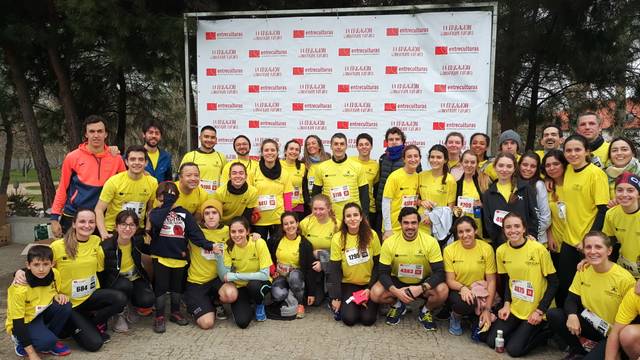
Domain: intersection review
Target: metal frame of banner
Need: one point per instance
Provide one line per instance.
(493, 6)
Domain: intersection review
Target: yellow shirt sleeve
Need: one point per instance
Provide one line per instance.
(16, 302)
(601, 188)
(491, 259)
(499, 257)
(108, 190)
(386, 256)
(375, 244)
(448, 264)
(435, 255)
(546, 263)
(607, 228)
(336, 247)
(629, 308)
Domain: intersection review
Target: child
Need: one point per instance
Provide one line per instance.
(36, 311)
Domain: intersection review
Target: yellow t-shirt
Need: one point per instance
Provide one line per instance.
(203, 262)
(583, 191)
(210, 165)
(629, 308)
(490, 169)
(251, 258)
(78, 276)
(288, 253)
(469, 191)
(469, 265)
(271, 197)
(296, 176)
(626, 228)
(602, 293)
(540, 153)
(558, 225)
(122, 193)
(371, 170)
(410, 261)
(340, 182)
(127, 266)
(402, 189)
(527, 267)
(600, 156)
(432, 189)
(505, 190)
(356, 265)
(251, 165)
(153, 157)
(26, 302)
(235, 205)
(319, 235)
(191, 202)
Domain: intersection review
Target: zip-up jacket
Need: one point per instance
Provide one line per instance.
(163, 170)
(82, 178)
(113, 259)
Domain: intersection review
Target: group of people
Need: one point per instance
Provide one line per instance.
(523, 246)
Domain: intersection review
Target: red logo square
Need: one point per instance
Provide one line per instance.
(440, 88)
(442, 50)
(343, 124)
(343, 88)
(254, 53)
(298, 34)
(297, 106)
(254, 124)
(212, 72)
(210, 35)
(393, 32)
(344, 52)
(389, 107)
(391, 70)
(438, 125)
(299, 140)
(254, 88)
(212, 106)
(298, 70)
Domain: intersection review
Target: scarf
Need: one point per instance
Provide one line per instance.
(613, 172)
(595, 144)
(395, 152)
(239, 191)
(35, 281)
(314, 159)
(272, 173)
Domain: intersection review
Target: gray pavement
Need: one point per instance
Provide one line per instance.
(317, 336)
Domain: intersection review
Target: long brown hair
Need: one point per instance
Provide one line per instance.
(514, 176)
(244, 223)
(445, 166)
(323, 154)
(364, 230)
(71, 239)
(483, 179)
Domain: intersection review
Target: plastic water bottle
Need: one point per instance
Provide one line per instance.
(499, 342)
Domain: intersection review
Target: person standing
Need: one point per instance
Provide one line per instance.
(371, 168)
(590, 126)
(209, 161)
(158, 160)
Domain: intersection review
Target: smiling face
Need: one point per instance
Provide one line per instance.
(270, 152)
(505, 168)
(409, 225)
(208, 139)
(596, 252)
(290, 227)
(469, 164)
(96, 134)
(551, 138)
(312, 145)
(241, 146)
(190, 177)
(394, 140)
(621, 153)
(454, 145)
(238, 234)
(411, 160)
(436, 159)
(338, 147)
(237, 175)
(292, 152)
(85, 224)
(626, 195)
(575, 153)
(320, 209)
(466, 234)
(479, 145)
(364, 147)
(211, 218)
(152, 136)
(513, 229)
(528, 167)
(127, 229)
(352, 218)
(554, 168)
(136, 161)
(588, 127)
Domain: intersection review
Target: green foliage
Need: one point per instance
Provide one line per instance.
(21, 205)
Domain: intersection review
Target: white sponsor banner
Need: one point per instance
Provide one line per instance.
(286, 78)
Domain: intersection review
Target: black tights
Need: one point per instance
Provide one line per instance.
(352, 313)
(520, 337)
(167, 280)
(137, 291)
(255, 292)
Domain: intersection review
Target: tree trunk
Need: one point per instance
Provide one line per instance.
(122, 109)
(8, 154)
(533, 104)
(65, 97)
(31, 127)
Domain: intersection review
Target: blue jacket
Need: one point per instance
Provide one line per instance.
(163, 171)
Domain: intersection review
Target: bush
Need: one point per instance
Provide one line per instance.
(21, 205)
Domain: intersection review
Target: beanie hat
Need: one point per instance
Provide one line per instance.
(629, 178)
(211, 203)
(510, 135)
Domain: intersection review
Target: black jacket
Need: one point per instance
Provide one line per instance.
(306, 264)
(525, 205)
(113, 259)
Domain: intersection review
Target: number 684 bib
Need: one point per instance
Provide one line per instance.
(83, 287)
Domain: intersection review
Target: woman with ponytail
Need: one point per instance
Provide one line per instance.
(437, 186)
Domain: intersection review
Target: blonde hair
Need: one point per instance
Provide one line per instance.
(327, 202)
(70, 239)
(483, 179)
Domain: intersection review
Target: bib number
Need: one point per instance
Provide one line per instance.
(596, 321)
(134, 206)
(410, 201)
(466, 204)
(83, 287)
(209, 185)
(498, 216)
(266, 202)
(355, 256)
(414, 271)
(562, 210)
(340, 193)
(310, 181)
(522, 289)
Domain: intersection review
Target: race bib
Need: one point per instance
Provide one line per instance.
(310, 181)
(414, 271)
(410, 201)
(134, 206)
(632, 267)
(498, 216)
(562, 210)
(522, 289)
(207, 254)
(266, 202)
(83, 287)
(340, 193)
(209, 185)
(296, 193)
(355, 256)
(284, 269)
(597, 322)
(466, 204)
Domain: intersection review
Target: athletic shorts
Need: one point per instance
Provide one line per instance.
(200, 297)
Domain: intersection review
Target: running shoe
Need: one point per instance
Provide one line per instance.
(475, 333)
(120, 324)
(59, 349)
(300, 311)
(102, 329)
(144, 311)
(176, 317)
(19, 349)
(159, 325)
(221, 314)
(455, 328)
(395, 313)
(426, 319)
(261, 315)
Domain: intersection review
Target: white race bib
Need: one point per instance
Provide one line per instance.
(207, 254)
(209, 185)
(522, 289)
(632, 267)
(596, 321)
(498, 216)
(296, 193)
(562, 210)
(410, 201)
(466, 204)
(355, 256)
(133, 205)
(284, 269)
(83, 287)
(266, 202)
(414, 271)
(340, 193)
(310, 181)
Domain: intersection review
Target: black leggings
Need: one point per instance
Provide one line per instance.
(270, 234)
(458, 305)
(96, 310)
(138, 291)
(352, 313)
(167, 280)
(568, 259)
(254, 292)
(520, 337)
(558, 321)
